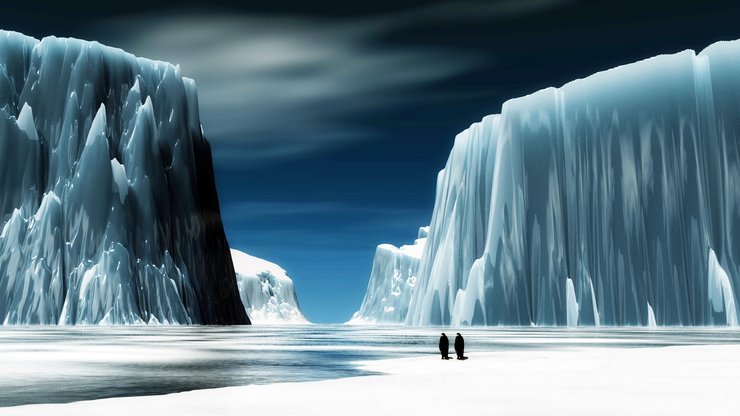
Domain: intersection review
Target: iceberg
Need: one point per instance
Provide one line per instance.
(266, 291)
(392, 282)
(612, 200)
(108, 206)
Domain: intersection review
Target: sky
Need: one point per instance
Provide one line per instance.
(330, 120)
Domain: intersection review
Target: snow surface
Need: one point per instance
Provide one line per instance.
(108, 206)
(266, 290)
(623, 183)
(392, 282)
(681, 380)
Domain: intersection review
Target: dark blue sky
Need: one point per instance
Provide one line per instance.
(329, 121)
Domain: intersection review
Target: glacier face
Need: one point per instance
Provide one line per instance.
(108, 205)
(392, 282)
(266, 291)
(612, 200)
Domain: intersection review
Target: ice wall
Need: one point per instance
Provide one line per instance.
(613, 200)
(392, 282)
(108, 205)
(266, 291)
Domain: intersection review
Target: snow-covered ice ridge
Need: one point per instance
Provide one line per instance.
(392, 282)
(108, 206)
(266, 290)
(613, 200)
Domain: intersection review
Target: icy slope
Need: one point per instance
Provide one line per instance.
(613, 200)
(266, 290)
(392, 282)
(108, 206)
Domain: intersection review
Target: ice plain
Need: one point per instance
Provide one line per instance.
(511, 371)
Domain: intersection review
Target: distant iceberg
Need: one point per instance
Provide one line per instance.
(266, 291)
(108, 205)
(613, 200)
(392, 282)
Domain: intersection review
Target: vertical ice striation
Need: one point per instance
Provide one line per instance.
(721, 295)
(266, 291)
(612, 200)
(571, 303)
(392, 282)
(108, 205)
(651, 317)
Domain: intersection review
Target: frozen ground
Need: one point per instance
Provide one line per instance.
(688, 380)
(510, 371)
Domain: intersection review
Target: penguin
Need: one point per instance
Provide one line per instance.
(444, 346)
(459, 346)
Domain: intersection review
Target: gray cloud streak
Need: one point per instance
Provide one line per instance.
(310, 226)
(256, 211)
(279, 87)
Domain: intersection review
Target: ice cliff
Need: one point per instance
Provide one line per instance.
(392, 282)
(266, 290)
(613, 200)
(108, 206)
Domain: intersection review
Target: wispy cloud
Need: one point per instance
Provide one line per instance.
(463, 11)
(318, 225)
(276, 87)
(289, 212)
(261, 210)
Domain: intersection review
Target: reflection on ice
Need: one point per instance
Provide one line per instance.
(68, 364)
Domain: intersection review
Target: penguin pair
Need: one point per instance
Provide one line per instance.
(444, 347)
